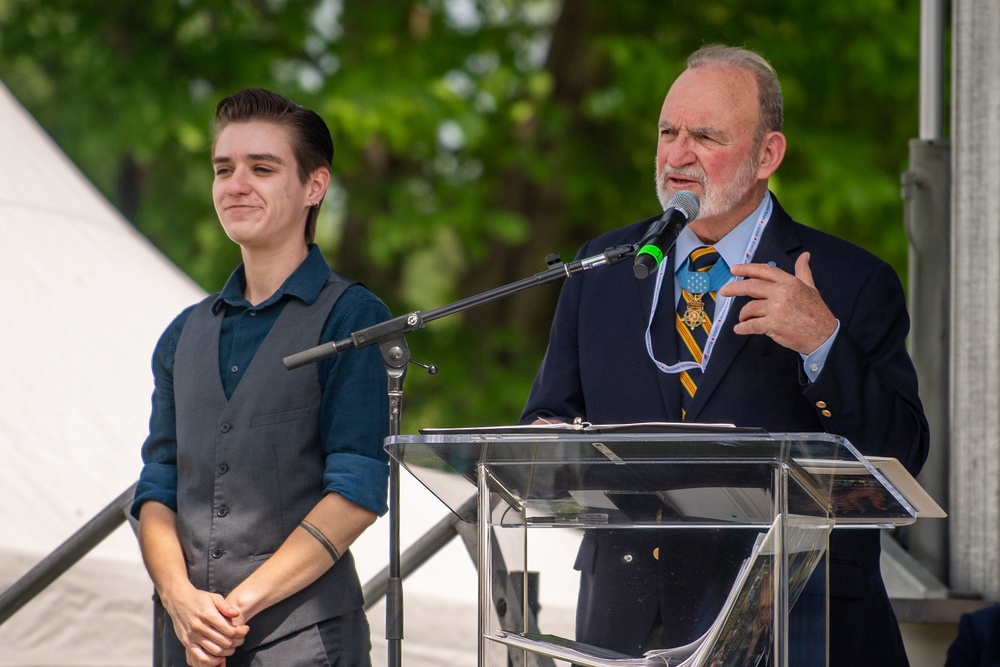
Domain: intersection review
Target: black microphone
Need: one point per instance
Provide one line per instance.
(681, 209)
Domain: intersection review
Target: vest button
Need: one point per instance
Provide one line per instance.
(217, 553)
(222, 511)
(225, 427)
(223, 468)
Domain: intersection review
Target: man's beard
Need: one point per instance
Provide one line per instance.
(716, 199)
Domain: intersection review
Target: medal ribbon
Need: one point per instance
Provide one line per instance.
(721, 305)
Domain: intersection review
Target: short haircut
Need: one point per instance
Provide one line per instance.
(311, 141)
(768, 87)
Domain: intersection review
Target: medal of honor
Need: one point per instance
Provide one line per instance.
(694, 315)
(695, 284)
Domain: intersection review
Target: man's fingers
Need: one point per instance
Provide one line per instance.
(752, 326)
(752, 311)
(751, 287)
(215, 649)
(197, 657)
(759, 271)
(802, 270)
(219, 640)
(758, 281)
(225, 607)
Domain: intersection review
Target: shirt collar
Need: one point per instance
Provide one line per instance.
(305, 283)
(730, 247)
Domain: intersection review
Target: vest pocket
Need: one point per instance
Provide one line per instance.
(280, 417)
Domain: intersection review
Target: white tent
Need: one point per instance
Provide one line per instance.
(87, 298)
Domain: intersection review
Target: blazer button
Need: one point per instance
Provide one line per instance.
(225, 426)
(222, 511)
(223, 468)
(656, 553)
(217, 552)
(826, 413)
(627, 558)
(820, 404)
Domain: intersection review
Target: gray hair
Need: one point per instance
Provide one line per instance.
(768, 87)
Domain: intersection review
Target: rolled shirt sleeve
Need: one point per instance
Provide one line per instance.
(354, 414)
(158, 479)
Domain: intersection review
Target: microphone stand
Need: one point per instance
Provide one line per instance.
(390, 337)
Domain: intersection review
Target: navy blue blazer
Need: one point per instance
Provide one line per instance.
(596, 367)
(978, 641)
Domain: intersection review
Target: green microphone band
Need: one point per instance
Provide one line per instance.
(651, 250)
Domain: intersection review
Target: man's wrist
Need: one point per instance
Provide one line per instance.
(814, 362)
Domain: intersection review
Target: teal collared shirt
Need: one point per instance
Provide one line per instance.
(354, 409)
(244, 326)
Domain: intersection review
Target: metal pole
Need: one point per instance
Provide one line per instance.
(927, 216)
(974, 502)
(932, 24)
(395, 355)
(65, 555)
(485, 561)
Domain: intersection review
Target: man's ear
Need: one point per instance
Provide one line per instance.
(317, 184)
(772, 152)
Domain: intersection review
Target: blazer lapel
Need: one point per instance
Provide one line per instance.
(663, 335)
(776, 245)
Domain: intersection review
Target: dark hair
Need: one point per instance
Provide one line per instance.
(311, 141)
(768, 87)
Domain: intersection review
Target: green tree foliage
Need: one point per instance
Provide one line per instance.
(473, 137)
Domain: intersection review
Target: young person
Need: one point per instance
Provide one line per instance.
(256, 479)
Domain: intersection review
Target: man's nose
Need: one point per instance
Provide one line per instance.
(239, 180)
(679, 153)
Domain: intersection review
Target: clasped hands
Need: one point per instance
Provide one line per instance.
(208, 626)
(784, 307)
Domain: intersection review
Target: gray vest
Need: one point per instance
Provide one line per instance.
(250, 468)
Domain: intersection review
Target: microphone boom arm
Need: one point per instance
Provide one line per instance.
(404, 324)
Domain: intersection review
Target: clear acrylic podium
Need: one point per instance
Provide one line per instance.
(776, 497)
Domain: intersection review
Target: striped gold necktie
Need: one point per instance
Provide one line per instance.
(695, 311)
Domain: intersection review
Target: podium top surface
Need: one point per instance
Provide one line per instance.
(652, 475)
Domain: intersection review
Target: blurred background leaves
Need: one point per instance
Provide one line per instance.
(473, 137)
